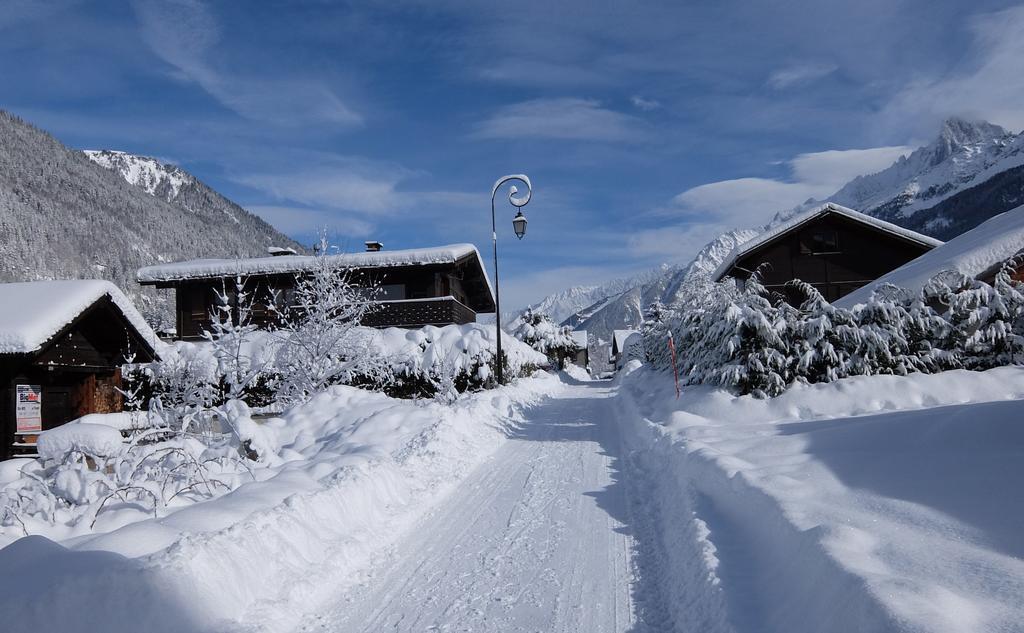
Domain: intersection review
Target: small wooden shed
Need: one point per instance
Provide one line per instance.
(62, 344)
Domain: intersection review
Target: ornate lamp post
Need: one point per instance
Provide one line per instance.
(519, 225)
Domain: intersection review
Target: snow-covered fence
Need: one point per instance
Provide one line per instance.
(752, 341)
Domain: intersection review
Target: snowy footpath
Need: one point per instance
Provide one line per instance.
(535, 539)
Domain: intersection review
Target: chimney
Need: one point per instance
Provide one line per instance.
(373, 247)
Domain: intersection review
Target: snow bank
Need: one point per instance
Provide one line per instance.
(454, 347)
(91, 439)
(353, 470)
(972, 253)
(876, 503)
(32, 312)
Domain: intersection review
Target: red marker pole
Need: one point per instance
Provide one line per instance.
(675, 372)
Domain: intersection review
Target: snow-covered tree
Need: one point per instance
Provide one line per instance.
(320, 343)
(537, 330)
(823, 338)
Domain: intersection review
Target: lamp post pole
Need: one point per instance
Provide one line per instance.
(520, 227)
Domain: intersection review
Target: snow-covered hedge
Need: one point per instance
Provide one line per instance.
(409, 363)
(753, 341)
(442, 361)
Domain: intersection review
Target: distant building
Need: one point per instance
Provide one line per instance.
(430, 286)
(62, 344)
(625, 344)
(835, 249)
(582, 355)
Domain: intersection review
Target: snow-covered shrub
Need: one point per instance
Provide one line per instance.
(752, 341)
(87, 469)
(439, 362)
(985, 321)
(537, 330)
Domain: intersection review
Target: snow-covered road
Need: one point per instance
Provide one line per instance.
(534, 540)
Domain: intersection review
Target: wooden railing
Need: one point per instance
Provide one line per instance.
(419, 312)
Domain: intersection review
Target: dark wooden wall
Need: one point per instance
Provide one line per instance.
(859, 255)
(195, 300)
(79, 371)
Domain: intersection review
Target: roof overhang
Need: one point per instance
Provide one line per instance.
(795, 223)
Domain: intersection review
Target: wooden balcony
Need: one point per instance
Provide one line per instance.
(412, 313)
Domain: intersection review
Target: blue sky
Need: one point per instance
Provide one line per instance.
(647, 128)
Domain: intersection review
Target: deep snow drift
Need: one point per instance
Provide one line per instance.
(352, 470)
(877, 503)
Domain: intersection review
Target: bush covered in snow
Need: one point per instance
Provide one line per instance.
(753, 341)
(86, 469)
(537, 330)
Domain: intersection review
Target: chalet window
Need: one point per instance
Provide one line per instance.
(819, 242)
(391, 292)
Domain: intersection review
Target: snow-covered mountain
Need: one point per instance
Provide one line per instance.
(965, 154)
(970, 172)
(158, 179)
(65, 214)
(566, 303)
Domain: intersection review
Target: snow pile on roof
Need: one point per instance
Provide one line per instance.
(205, 268)
(95, 440)
(972, 253)
(875, 503)
(801, 219)
(619, 338)
(32, 312)
(580, 337)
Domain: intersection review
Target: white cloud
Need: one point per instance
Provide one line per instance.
(800, 74)
(744, 202)
(988, 85)
(647, 105)
(306, 221)
(565, 118)
(184, 33)
(314, 185)
(334, 189)
(673, 243)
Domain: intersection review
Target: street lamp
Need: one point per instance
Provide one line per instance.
(519, 225)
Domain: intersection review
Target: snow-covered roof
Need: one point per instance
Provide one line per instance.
(32, 312)
(619, 338)
(803, 218)
(212, 268)
(580, 337)
(972, 253)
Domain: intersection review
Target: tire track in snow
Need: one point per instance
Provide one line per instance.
(536, 539)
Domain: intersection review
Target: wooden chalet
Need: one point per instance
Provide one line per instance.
(62, 344)
(430, 286)
(835, 249)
